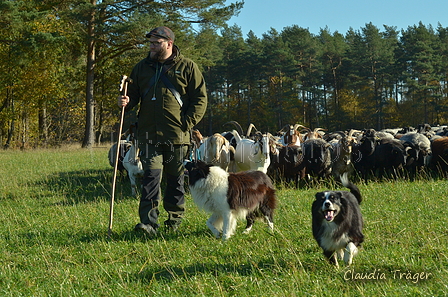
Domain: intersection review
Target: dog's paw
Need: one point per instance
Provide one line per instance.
(216, 234)
(350, 251)
(247, 230)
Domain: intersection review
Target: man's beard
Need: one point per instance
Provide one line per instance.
(159, 55)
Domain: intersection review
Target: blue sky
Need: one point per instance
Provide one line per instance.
(338, 15)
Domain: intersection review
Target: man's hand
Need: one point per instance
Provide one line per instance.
(122, 100)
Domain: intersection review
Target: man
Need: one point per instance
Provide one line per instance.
(172, 95)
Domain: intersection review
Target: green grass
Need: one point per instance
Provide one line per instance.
(54, 217)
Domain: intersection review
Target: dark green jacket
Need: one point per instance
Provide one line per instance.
(163, 120)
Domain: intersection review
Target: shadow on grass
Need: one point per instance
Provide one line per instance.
(165, 273)
(163, 234)
(85, 186)
(88, 185)
(352, 276)
(263, 268)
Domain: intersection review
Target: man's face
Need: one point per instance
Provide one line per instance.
(159, 48)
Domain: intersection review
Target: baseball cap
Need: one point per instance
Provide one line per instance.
(162, 32)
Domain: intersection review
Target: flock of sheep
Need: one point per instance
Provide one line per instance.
(298, 153)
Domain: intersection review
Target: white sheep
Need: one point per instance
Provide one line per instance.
(133, 165)
(252, 154)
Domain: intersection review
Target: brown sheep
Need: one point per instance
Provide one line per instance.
(439, 148)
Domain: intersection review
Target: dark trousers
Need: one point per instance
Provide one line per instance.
(158, 161)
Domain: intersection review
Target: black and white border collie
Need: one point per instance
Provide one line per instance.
(337, 222)
(231, 196)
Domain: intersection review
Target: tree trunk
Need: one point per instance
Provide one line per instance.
(336, 99)
(10, 134)
(11, 128)
(249, 104)
(25, 129)
(89, 134)
(43, 125)
(100, 129)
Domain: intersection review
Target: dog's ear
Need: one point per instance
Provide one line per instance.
(320, 196)
(202, 172)
(189, 165)
(196, 173)
(341, 196)
(203, 166)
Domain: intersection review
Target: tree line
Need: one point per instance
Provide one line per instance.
(61, 64)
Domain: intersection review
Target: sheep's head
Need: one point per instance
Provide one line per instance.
(262, 142)
(197, 137)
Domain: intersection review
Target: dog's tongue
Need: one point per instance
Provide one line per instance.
(329, 215)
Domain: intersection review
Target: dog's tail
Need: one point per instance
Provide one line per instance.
(353, 188)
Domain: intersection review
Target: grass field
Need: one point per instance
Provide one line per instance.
(54, 218)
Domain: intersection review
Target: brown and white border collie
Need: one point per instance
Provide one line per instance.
(337, 222)
(231, 196)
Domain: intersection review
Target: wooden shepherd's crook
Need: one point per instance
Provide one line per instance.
(123, 89)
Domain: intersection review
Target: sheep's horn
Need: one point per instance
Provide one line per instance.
(297, 126)
(249, 129)
(237, 125)
(350, 134)
(283, 129)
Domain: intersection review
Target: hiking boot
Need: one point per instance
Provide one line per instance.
(172, 225)
(145, 228)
